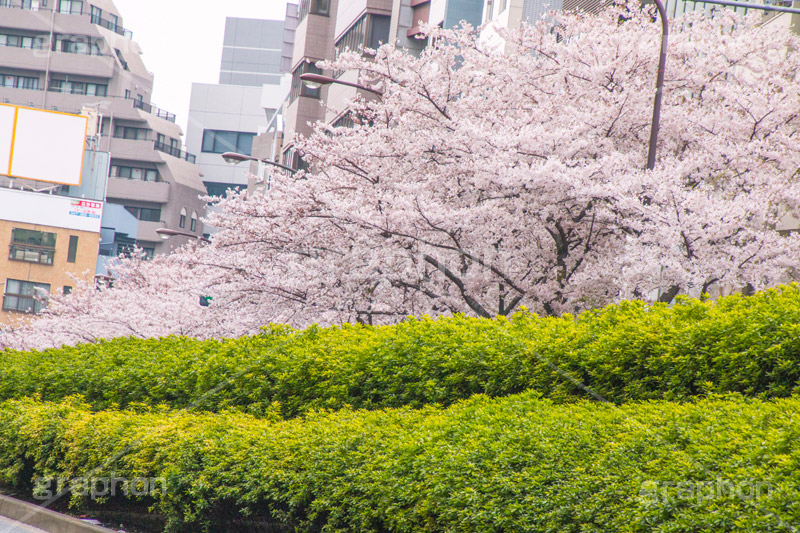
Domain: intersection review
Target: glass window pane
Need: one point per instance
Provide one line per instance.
(245, 144)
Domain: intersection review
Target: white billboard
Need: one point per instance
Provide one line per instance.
(51, 210)
(41, 145)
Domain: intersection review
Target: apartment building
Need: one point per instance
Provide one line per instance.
(325, 28)
(69, 55)
(226, 117)
(512, 13)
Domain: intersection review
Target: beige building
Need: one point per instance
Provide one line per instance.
(45, 240)
(69, 55)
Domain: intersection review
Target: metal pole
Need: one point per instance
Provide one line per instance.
(662, 64)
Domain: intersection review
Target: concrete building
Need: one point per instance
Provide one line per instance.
(226, 117)
(512, 13)
(68, 55)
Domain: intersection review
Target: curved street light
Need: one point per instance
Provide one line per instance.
(166, 233)
(234, 158)
(315, 81)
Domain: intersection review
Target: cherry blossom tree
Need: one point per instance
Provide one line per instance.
(496, 173)
(486, 178)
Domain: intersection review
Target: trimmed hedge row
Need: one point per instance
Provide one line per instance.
(625, 352)
(519, 463)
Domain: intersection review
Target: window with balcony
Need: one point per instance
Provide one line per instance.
(135, 173)
(315, 7)
(369, 32)
(78, 87)
(23, 41)
(21, 296)
(132, 134)
(219, 142)
(298, 87)
(145, 214)
(32, 246)
(72, 7)
(19, 82)
(77, 44)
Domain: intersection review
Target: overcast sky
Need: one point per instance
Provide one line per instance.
(182, 41)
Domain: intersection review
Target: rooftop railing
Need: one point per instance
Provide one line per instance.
(175, 152)
(153, 110)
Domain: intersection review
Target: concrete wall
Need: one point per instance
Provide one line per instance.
(251, 52)
(225, 108)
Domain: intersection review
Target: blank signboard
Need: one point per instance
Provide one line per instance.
(48, 146)
(7, 114)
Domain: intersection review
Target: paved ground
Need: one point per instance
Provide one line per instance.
(10, 526)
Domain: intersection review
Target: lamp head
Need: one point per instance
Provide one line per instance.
(314, 81)
(232, 158)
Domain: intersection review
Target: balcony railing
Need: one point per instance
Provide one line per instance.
(94, 19)
(110, 25)
(174, 152)
(153, 110)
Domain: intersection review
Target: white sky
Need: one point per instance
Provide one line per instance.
(182, 41)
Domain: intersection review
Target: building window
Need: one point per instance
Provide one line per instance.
(135, 173)
(298, 87)
(72, 7)
(72, 252)
(219, 142)
(145, 213)
(315, 7)
(32, 246)
(66, 290)
(113, 22)
(369, 32)
(182, 221)
(19, 82)
(96, 14)
(20, 296)
(22, 41)
(78, 87)
(193, 226)
(149, 252)
(291, 158)
(133, 134)
(77, 44)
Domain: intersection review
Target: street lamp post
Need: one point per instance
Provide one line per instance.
(662, 64)
(166, 233)
(315, 81)
(234, 159)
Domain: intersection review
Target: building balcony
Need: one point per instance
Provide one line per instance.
(143, 191)
(36, 17)
(175, 152)
(153, 110)
(132, 150)
(147, 231)
(60, 62)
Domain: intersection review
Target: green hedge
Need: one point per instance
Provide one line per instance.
(519, 463)
(626, 352)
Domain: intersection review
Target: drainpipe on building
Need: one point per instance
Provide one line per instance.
(50, 47)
